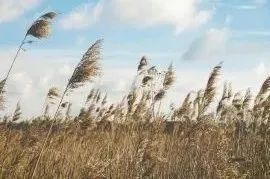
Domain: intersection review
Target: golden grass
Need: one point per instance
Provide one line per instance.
(131, 140)
(88, 149)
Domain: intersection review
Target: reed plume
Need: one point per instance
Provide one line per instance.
(143, 63)
(131, 99)
(247, 99)
(264, 92)
(226, 96)
(104, 100)
(210, 90)
(146, 80)
(17, 113)
(237, 100)
(53, 94)
(88, 68)
(90, 96)
(85, 71)
(186, 106)
(160, 95)
(41, 28)
(51, 97)
(169, 78)
(2, 94)
(49, 16)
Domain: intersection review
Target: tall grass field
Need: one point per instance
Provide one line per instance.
(208, 136)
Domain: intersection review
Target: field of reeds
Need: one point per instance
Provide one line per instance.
(207, 136)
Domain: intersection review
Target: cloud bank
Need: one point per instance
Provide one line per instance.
(210, 45)
(82, 16)
(181, 15)
(11, 9)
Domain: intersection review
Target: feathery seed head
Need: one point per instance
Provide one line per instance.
(98, 97)
(53, 92)
(143, 63)
(2, 93)
(247, 99)
(48, 16)
(104, 101)
(160, 95)
(146, 79)
(17, 113)
(152, 70)
(64, 105)
(264, 91)
(169, 77)
(41, 28)
(210, 90)
(90, 95)
(88, 68)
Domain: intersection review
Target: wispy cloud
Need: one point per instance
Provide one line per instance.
(182, 15)
(260, 2)
(246, 7)
(11, 9)
(260, 69)
(82, 16)
(254, 33)
(209, 46)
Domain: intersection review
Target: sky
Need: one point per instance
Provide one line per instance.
(194, 35)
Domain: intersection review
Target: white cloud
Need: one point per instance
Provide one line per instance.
(260, 69)
(228, 20)
(81, 40)
(66, 70)
(255, 33)
(30, 85)
(211, 45)
(253, 5)
(11, 9)
(82, 16)
(260, 2)
(247, 7)
(182, 14)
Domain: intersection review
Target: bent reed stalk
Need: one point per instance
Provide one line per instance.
(39, 29)
(87, 69)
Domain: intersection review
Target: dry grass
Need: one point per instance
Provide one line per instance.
(185, 149)
(132, 140)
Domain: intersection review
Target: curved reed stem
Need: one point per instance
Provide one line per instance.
(49, 132)
(83, 72)
(13, 62)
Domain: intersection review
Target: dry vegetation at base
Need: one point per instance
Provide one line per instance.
(185, 149)
(134, 138)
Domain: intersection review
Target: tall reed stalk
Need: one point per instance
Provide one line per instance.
(85, 71)
(41, 28)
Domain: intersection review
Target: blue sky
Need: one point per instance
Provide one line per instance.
(193, 34)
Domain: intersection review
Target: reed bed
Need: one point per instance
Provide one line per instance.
(184, 149)
(134, 139)
(206, 136)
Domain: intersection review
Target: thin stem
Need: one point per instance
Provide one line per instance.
(49, 132)
(159, 107)
(54, 120)
(13, 62)
(153, 111)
